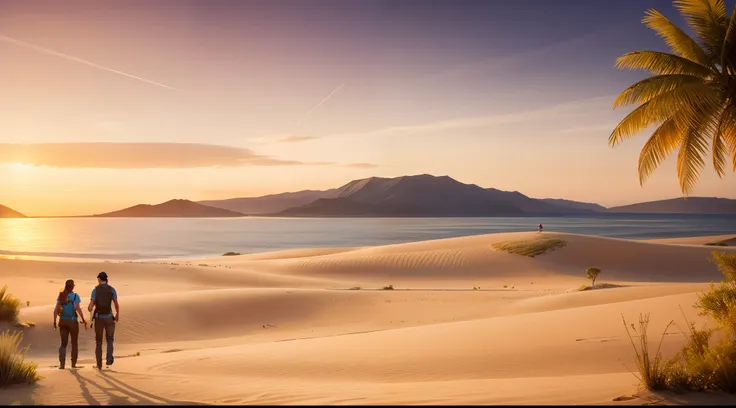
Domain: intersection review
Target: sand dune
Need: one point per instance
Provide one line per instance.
(465, 323)
(729, 240)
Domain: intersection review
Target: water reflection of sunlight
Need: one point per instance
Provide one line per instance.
(19, 234)
(18, 166)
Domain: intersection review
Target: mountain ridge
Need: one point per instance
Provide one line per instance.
(171, 208)
(7, 212)
(691, 205)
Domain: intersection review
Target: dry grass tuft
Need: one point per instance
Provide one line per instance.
(530, 248)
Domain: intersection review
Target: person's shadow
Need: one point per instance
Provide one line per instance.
(120, 393)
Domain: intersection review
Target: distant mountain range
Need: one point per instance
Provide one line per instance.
(270, 203)
(6, 212)
(574, 204)
(426, 195)
(408, 196)
(172, 208)
(420, 196)
(693, 205)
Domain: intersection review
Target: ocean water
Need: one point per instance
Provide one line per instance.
(148, 238)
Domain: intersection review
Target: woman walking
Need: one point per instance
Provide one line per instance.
(67, 308)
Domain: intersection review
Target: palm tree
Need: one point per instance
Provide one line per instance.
(691, 94)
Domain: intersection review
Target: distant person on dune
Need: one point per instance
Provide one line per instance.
(540, 227)
(103, 296)
(66, 309)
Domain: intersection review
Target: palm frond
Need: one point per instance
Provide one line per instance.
(680, 43)
(709, 20)
(686, 98)
(649, 88)
(660, 144)
(662, 63)
(727, 132)
(719, 154)
(724, 140)
(728, 50)
(691, 94)
(690, 159)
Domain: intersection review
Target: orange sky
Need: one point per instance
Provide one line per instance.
(102, 114)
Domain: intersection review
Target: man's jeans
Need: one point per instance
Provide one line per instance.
(108, 325)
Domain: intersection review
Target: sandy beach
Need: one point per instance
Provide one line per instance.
(465, 323)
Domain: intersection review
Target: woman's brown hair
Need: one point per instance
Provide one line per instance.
(64, 294)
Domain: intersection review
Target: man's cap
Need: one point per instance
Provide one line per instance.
(102, 275)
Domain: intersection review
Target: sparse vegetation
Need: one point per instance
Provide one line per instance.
(13, 367)
(28, 303)
(718, 243)
(597, 287)
(9, 306)
(355, 288)
(592, 274)
(652, 372)
(389, 287)
(531, 248)
(703, 364)
(231, 254)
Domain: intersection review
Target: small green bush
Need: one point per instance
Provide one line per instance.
(592, 274)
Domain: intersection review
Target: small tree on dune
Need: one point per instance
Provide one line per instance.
(592, 274)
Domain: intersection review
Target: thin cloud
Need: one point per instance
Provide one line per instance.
(361, 165)
(306, 115)
(590, 129)
(81, 61)
(508, 61)
(350, 165)
(295, 139)
(136, 156)
(144, 156)
(571, 110)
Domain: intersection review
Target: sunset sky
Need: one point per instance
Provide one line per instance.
(105, 105)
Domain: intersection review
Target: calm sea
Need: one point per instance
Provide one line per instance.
(146, 238)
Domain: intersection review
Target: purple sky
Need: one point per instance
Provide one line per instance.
(305, 94)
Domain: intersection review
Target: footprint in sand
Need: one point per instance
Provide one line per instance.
(598, 339)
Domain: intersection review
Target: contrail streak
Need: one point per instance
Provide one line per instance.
(71, 58)
(306, 115)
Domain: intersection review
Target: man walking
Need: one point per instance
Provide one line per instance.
(103, 296)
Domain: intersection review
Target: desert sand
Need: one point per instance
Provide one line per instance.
(465, 324)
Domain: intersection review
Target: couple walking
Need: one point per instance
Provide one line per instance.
(67, 309)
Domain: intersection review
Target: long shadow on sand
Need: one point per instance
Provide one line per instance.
(671, 398)
(21, 394)
(120, 393)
